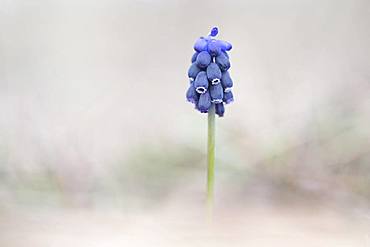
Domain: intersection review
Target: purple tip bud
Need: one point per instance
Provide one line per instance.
(214, 32)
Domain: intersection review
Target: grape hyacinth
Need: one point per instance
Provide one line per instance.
(210, 81)
(210, 88)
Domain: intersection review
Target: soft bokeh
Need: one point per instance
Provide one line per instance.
(98, 146)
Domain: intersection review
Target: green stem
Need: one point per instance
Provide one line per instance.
(211, 158)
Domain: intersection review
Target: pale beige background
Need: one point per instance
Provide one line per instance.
(93, 116)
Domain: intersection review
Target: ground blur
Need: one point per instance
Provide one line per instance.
(99, 148)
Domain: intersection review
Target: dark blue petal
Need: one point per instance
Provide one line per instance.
(201, 44)
(191, 95)
(228, 97)
(204, 102)
(214, 48)
(225, 46)
(217, 93)
(214, 32)
(222, 62)
(220, 109)
(214, 73)
(194, 57)
(226, 81)
(193, 71)
(201, 82)
(203, 59)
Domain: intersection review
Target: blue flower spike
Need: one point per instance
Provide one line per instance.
(210, 90)
(210, 81)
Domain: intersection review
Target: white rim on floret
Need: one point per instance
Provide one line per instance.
(201, 90)
(216, 81)
(216, 101)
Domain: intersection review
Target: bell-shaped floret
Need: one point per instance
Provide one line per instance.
(214, 73)
(217, 93)
(226, 81)
(228, 97)
(204, 102)
(201, 82)
(192, 95)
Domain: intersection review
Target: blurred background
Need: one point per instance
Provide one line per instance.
(98, 146)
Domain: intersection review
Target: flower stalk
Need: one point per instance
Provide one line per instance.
(211, 158)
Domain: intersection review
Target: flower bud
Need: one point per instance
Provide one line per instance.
(226, 81)
(214, 32)
(222, 62)
(192, 95)
(220, 109)
(214, 73)
(201, 82)
(193, 71)
(228, 97)
(200, 45)
(203, 59)
(214, 48)
(204, 102)
(225, 46)
(217, 93)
